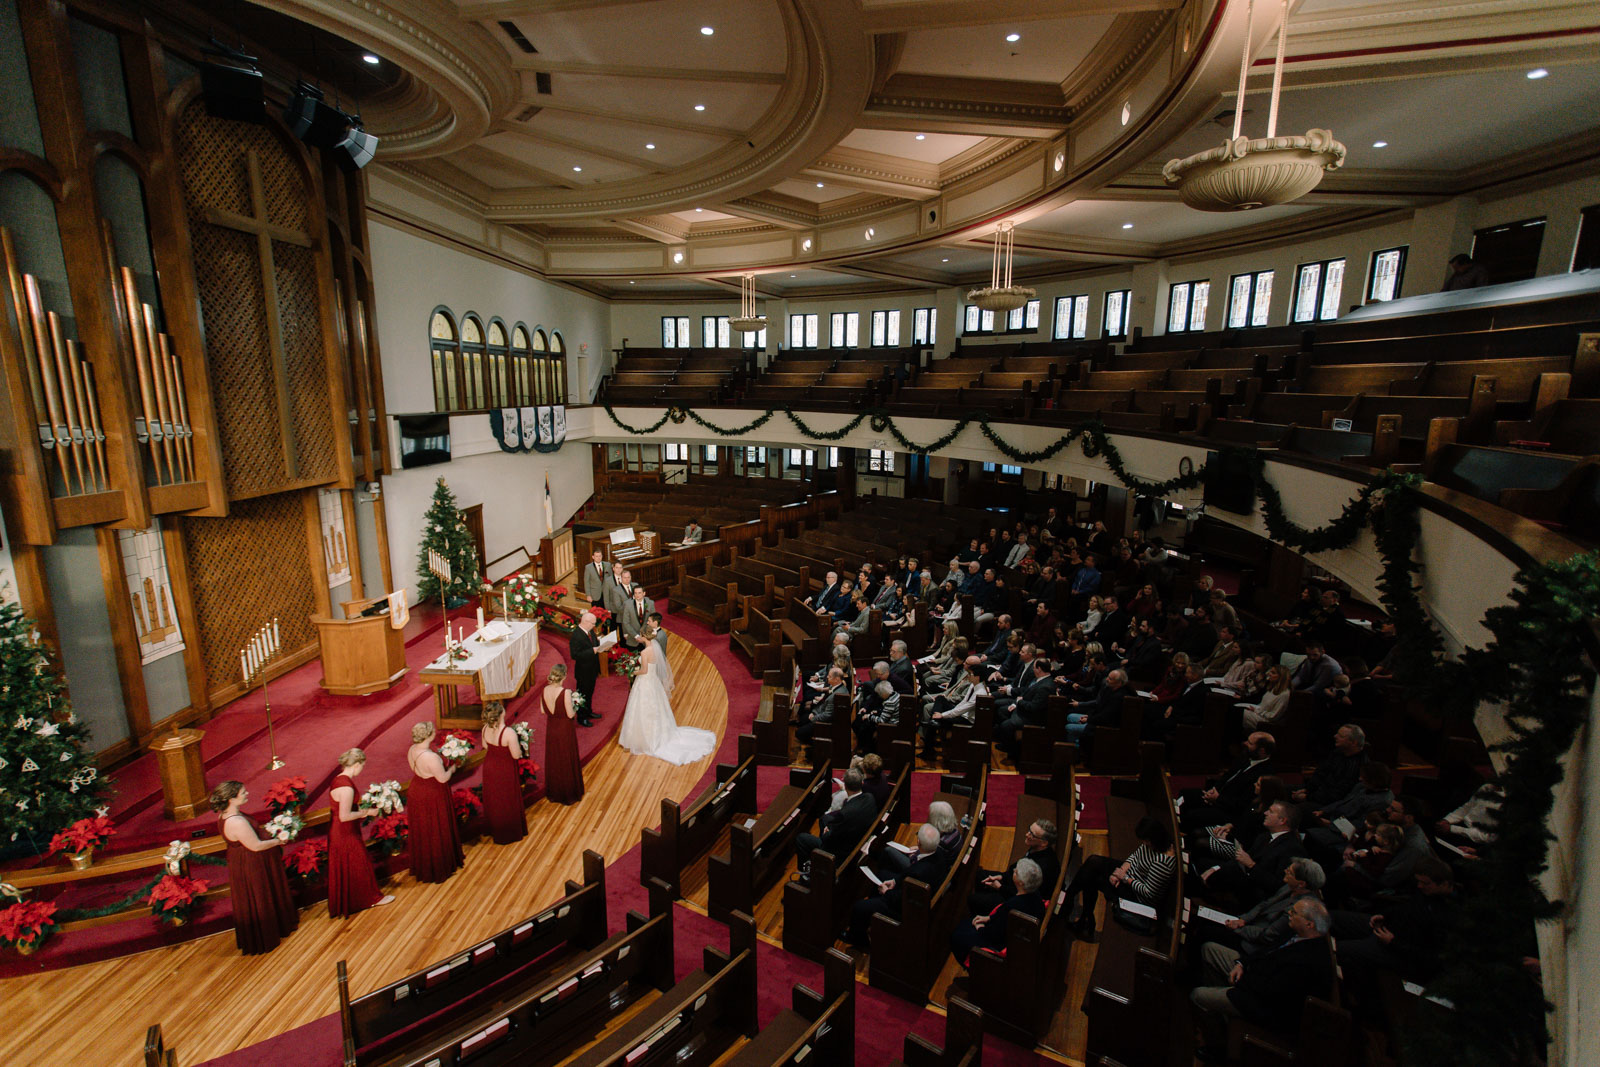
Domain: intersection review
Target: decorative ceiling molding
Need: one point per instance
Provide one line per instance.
(873, 172)
(1123, 45)
(973, 106)
(885, 16)
(538, 64)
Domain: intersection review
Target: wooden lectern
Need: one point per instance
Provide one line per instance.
(360, 655)
(183, 773)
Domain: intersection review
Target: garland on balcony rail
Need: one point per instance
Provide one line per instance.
(1536, 664)
(137, 898)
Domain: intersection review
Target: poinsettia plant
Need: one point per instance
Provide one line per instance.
(467, 804)
(527, 772)
(286, 793)
(601, 615)
(27, 924)
(389, 832)
(556, 592)
(174, 898)
(85, 835)
(309, 860)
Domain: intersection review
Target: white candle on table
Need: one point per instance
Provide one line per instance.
(244, 666)
(480, 616)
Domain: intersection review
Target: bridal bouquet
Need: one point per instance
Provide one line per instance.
(455, 748)
(383, 797)
(627, 664)
(285, 826)
(524, 732)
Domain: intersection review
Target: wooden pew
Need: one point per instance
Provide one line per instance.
(1357, 377)
(156, 1052)
(759, 847)
(542, 1019)
(758, 635)
(815, 1029)
(909, 952)
(451, 988)
(1019, 989)
(814, 914)
(707, 600)
(963, 1041)
(685, 835)
(694, 1020)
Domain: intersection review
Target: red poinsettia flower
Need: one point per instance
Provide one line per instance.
(309, 859)
(558, 591)
(175, 893)
(286, 793)
(82, 835)
(390, 827)
(466, 803)
(527, 771)
(600, 614)
(27, 921)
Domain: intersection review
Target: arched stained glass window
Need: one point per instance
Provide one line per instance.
(558, 368)
(446, 349)
(472, 355)
(521, 367)
(497, 371)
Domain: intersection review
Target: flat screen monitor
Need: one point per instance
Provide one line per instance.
(1230, 482)
(424, 440)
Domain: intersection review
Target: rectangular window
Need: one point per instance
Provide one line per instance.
(1030, 315)
(795, 458)
(879, 459)
(844, 329)
(1003, 468)
(675, 331)
(1316, 291)
(1118, 307)
(714, 332)
(755, 456)
(970, 321)
(1249, 299)
(677, 453)
(924, 323)
(757, 340)
(886, 329)
(1187, 303)
(833, 457)
(710, 454)
(1387, 273)
(802, 331)
(1072, 317)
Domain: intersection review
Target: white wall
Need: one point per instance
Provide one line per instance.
(412, 276)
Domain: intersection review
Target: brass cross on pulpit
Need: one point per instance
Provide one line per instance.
(266, 231)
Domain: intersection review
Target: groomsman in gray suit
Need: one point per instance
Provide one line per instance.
(635, 613)
(594, 578)
(615, 593)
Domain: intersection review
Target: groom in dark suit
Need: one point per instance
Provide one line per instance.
(583, 645)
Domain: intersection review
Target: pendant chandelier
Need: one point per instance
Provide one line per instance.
(1000, 295)
(1245, 173)
(748, 321)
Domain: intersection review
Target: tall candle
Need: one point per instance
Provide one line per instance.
(244, 666)
(480, 616)
(275, 642)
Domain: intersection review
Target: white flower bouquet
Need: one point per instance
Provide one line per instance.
(383, 797)
(285, 826)
(524, 734)
(176, 854)
(455, 749)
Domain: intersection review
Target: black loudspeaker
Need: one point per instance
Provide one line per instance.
(233, 90)
(356, 150)
(318, 124)
(1230, 482)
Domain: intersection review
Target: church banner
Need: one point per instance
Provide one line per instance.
(530, 429)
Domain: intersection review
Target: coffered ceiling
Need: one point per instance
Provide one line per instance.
(642, 147)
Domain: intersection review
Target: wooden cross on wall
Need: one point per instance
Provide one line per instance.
(260, 224)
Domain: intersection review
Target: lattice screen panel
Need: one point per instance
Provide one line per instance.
(245, 569)
(311, 416)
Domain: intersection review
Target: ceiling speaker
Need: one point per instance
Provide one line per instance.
(356, 150)
(318, 124)
(232, 85)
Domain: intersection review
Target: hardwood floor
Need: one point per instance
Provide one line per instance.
(210, 1000)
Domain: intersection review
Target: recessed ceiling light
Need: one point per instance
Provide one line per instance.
(1380, 144)
(630, 281)
(577, 168)
(805, 246)
(1127, 225)
(1013, 37)
(707, 30)
(922, 137)
(370, 58)
(649, 146)
(791, 275)
(699, 209)
(819, 185)
(946, 259)
(871, 233)
(699, 107)
(1538, 72)
(677, 257)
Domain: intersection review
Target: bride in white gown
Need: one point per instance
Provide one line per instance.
(648, 727)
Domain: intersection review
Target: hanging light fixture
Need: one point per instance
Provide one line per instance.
(1245, 173)
(748, 321)
(1000, 294)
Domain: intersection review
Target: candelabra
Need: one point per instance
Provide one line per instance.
(262, 648)
(439, 567)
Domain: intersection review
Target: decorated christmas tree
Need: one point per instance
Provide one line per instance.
(47, 777)
(444, 532)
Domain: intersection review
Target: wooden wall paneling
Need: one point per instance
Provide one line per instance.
(316, 553)
(336, 356)
(358, 589)
(150, 106)
(124, 637)
(381, 520)
(51, 67)
(194, 664)
(346, 306)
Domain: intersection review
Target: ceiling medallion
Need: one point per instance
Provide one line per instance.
(1000, 295)
(748, 321)
(1245, 173)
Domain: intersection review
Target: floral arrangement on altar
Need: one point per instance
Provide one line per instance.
(521, 594)
(174, 898)
(286, 793)
(625, 663)
(383, 797)
(468, 805)
(455, 748)
(389, 833)
(27, 924)
(82, 838)
(285, 826)
(309, 860)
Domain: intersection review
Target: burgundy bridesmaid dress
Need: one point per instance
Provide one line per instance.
(435, 839)
(352, 886)
(562, 769)
(263, 908)
(502, 793)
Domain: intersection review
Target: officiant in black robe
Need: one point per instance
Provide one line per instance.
(584, 647)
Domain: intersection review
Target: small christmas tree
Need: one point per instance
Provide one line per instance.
(47, 778)
(444, 532)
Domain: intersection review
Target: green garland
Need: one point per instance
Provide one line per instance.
(134, 899)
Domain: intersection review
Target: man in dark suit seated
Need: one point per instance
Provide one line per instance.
(1269, 989)
(841, 828)
(1255, 873)
(992, 888)
(824, 600)
(989, 931)
(1189, 709)
(1103, 709)
(900, 668)
(1029, 709)
(928, 867)
(1226, 798)
(823, 709)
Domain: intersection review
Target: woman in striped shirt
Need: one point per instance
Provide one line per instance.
(1143, 876)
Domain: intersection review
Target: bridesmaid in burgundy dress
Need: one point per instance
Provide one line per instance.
(352, 886)
(502, 789)
(563, 772)
(263, 909)
(435, 838)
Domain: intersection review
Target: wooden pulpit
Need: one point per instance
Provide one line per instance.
(183, 773)
(360, 655)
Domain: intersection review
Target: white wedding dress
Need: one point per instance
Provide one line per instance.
(648, 727)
